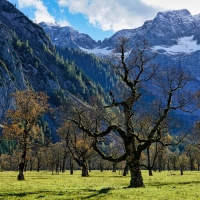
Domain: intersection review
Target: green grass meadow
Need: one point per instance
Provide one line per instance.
(99, 185)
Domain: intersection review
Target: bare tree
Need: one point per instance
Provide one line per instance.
(138, 79)
(78, 143)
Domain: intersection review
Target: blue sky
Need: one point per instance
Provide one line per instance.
(100, 18)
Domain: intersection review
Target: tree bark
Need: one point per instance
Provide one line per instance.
(38, 165)
(31, 164)
(149, 162)
(21, 170)
(71, 169)
(21, 166)
(101, 168)
(85, 170)
(57, 167)
(64, 163)
(168, 165)
(136, 175)
(160, 162)
(125, 172)
(174, 165)
(71, 166)
(192, 165)
(25, 166)
(181, 170)
(150, 172)
(114, 166)
(90, 165)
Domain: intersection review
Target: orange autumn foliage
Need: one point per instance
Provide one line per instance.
(21, 125)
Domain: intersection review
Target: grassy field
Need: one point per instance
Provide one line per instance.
(99, 185)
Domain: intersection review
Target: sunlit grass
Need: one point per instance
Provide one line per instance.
(99, 185)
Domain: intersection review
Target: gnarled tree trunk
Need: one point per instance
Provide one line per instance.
(136, 175)
(21, 166)
(133, 159)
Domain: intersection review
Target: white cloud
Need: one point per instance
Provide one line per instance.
(122, 14)
(41, 13)
(63, 2)
(112, 14)
(191, 5)
(63, 23)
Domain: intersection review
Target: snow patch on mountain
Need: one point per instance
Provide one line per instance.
(185, 45)
(98, 51)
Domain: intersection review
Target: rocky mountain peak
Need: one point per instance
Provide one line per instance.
(168, 26)
(67, 36)
(174, 13)
(174, 19)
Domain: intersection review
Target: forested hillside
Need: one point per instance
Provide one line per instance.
(99, 71)
(28, 60)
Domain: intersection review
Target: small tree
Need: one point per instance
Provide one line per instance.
(22, 121)
(155, 154)
(192, 153)
(4, 162)
(40, 157)
(78, 144)
(183, 161)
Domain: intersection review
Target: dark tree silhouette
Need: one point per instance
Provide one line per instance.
(128, 110)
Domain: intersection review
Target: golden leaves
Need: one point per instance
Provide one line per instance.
(22, 120)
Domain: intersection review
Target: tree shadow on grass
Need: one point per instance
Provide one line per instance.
(23, 194)
(159, 184)
(41, 196)
(102, 191)
(43, 193)
(189, 182)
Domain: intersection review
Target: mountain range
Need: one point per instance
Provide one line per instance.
(173, 34)
(165, 29)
